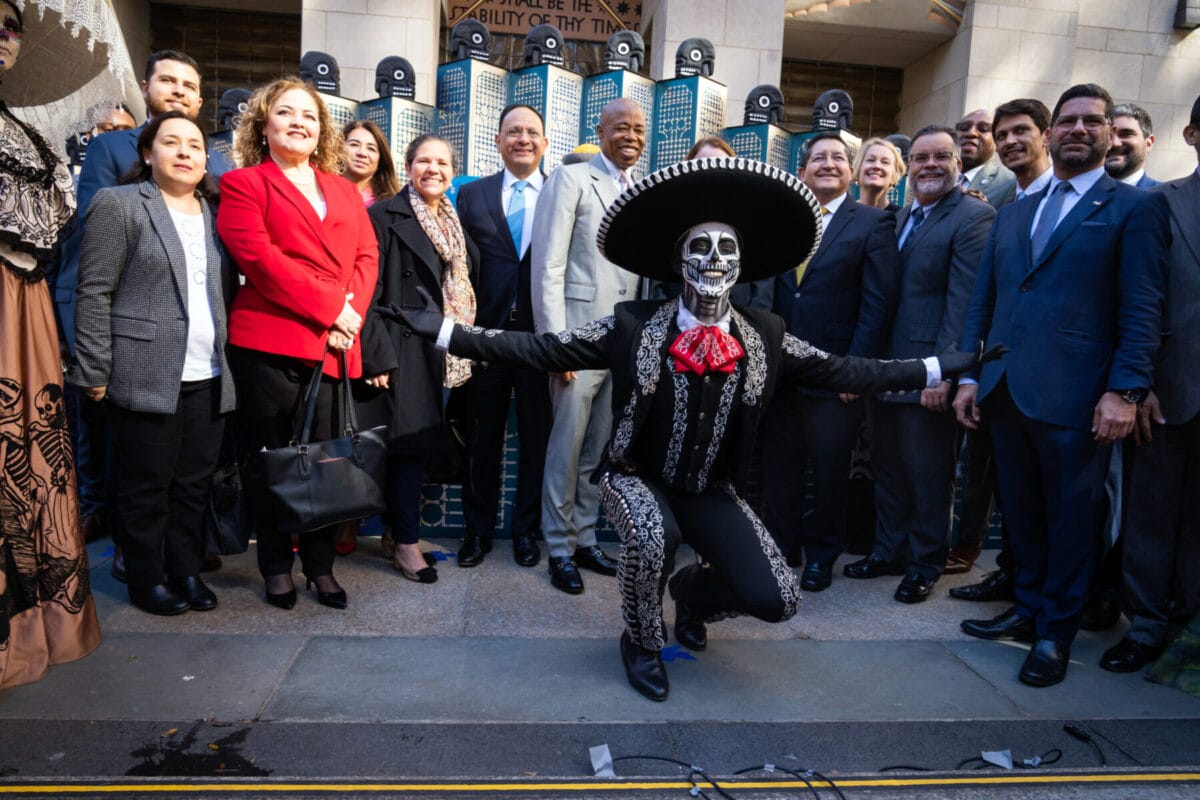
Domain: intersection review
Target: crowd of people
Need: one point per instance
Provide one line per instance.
(194, 299)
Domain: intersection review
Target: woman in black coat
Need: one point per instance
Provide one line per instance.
(421, 244)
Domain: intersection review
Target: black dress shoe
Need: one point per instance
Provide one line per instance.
(1046, 663)
(1100, 614)
(914, 588)
(284, 600)
(565, 576)
(334, 599)
(525, 550)
(817, 576)
(118, 564)
(996, 585)
(689, 628)
(1129, 656)
(474, 548)
(871, 567)
(160, 599)
(595, 559)
(199, 597)
(644, 669)
(1009, 625)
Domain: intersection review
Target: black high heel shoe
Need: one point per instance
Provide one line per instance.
(285, 600)
(331, 599)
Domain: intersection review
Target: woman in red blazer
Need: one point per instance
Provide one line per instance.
(299, 233)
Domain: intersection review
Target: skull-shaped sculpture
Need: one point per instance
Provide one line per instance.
(470, 39)
(321, 70)
(49, 404)
(77, 148)
(543, 45)
(233, 103)
(710, 261)
(625, 50)
(695, 57)
(902, 143)
(394, 77)
(763, 104)
(834, 110)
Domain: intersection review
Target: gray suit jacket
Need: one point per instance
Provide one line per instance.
(937, 263)
(131, 307)
(997, 182)
(1175, 377)
(571, 283)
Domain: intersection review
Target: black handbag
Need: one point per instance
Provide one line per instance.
(312, 485)
(227, 524)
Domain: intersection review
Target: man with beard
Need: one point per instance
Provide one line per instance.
(1020, 128)
(1132, 140)
(913, 453)
(981, 170)
(172, 83)
(1072, 280)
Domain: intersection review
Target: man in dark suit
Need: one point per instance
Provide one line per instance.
(981, 169)
(172, 83)
(841, 301)
(1132, 141)
(497, 213)
(913, 453)
(1162, 542)
(1072, 282)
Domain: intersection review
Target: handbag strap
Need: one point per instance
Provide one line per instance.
(351, 425)
(302, 435)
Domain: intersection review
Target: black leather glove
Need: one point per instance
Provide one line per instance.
(955, 362)
(427, 321)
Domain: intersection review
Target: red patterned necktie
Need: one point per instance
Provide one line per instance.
(705, 347)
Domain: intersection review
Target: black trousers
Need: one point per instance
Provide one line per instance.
(163, 466)
(405, 472)
(804, 429)
(746, 572)
(271, 392)
(492, 385)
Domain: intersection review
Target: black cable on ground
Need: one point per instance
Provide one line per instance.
(693, 770)
(768, 768)
(1076, 729)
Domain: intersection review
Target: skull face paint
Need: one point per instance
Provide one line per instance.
(710, 261)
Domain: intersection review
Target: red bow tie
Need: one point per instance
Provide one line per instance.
(705, 347)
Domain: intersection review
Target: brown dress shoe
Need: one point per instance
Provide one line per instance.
(961, 559)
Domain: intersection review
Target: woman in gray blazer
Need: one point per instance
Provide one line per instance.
(151, 332)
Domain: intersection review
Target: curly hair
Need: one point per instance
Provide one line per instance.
(250, 146)
(384, 183)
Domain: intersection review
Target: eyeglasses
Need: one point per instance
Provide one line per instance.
(1093, 122)
(966, 125)
(517, 133)
(943, 157)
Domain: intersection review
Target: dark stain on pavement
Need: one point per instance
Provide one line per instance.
(192, 754)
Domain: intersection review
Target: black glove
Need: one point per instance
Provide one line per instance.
(425, 321)
(955, 362)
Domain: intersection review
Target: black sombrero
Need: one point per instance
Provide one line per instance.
(775, 213)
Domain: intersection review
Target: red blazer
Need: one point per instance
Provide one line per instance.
(298, 267)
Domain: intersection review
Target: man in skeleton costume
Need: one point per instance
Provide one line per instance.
(691, 378)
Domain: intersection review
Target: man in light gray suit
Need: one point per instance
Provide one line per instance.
(573, 284)
(1162, 541)
(941, 236)
(981, 169)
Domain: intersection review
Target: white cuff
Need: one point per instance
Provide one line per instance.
(933, 372)
(967, 382)
(443, 339)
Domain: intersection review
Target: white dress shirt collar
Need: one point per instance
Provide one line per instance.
(686, 320)
(1037, 184)
(535, 180)
(613, 169)
(1082, 183)
(1133, 179)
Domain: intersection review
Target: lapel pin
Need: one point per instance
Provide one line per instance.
(1097, 202)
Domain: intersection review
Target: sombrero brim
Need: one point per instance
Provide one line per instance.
(56, 59)
(776, 214)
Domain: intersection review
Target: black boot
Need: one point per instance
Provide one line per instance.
(645, 670)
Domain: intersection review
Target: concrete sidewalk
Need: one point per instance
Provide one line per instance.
(492, 672)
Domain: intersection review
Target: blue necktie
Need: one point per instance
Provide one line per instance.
(516, 213)
(1049, 219)
(917, 216)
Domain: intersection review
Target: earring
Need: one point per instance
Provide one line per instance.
(264, 140)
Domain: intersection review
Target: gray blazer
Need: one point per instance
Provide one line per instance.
(131, 309)
(938, 263)
(997, 182)
(1175, 380)
(570, 282)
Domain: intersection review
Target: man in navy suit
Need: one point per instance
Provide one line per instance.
(172, 83)
(497, 213)
(1132, 141)
(841, 301)
(1072, 282)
